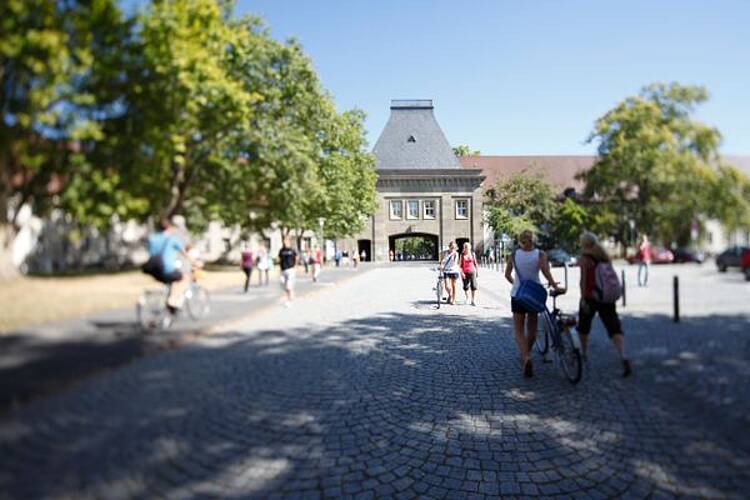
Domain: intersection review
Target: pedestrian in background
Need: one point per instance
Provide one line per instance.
(355, 259)
(469, 272)
(288, 264)
(593, 255)
(644, 262)
(247, 264)
(264, 264)
(317, 262)
(451, 270)
(337, 257)
(527, 261)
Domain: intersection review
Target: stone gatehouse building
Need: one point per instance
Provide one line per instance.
(422, 188)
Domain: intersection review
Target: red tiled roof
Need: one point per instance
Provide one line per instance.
(557, 170)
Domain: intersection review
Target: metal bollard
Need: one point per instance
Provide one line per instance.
(566, 275)
(624, 289)
(676, 290)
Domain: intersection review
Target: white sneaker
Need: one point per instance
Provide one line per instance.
(473, 303)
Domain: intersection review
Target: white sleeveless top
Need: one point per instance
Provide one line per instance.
(528, 262)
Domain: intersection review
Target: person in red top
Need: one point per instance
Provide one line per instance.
(593, 253)
(644, 262)
(248, 263)
(317, 259)
(469, 273)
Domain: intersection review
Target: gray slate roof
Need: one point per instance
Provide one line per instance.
(428, 149)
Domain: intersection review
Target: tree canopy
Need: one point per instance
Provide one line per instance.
(660, 168)
(465, 150)
(526, 200)
(181, 109)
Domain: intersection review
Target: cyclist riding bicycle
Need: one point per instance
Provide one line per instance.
(166, 251)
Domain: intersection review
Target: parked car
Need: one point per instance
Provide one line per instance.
(682, 255)
(659, 255)
(745, 263)
(730, 258)
(558, 257)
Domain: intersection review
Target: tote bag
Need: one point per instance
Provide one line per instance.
(530, 294)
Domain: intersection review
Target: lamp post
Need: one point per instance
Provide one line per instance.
(321, 223)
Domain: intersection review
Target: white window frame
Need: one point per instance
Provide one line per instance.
(408, 212)
(391, 205)
(456, 204)
(425, 215)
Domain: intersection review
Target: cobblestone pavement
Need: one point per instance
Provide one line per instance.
(365, 390)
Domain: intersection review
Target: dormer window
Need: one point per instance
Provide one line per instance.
(411, 139)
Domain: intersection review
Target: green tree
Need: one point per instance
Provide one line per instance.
(45, 58)
(465, 150)
(569, 221)
(655, 166)
(523, 201)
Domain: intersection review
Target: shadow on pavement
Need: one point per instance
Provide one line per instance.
(430, 404)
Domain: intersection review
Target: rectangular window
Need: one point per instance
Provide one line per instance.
(395, 209)
(462, 209)
(412, 209)
(429, 209)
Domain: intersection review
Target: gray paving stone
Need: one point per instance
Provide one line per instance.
(364, 395)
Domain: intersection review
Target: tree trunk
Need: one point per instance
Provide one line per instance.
(176, 191)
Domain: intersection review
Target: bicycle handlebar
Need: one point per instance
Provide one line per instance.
(556, 293)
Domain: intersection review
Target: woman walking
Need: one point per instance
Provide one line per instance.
(527, 261)
(248, 262)
(264, 265)
(451, 270)
(593, 254)
(469, 272)
(644, 262)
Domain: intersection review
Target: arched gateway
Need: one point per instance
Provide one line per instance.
(413, 246)
(422, 189)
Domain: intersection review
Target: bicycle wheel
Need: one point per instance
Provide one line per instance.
(151, 310)
(439, 293)
(197, 302)
(544, 330)
(570, 357)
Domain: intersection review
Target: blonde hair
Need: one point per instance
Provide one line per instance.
(526, 233)
(467, 246)
(590, 245)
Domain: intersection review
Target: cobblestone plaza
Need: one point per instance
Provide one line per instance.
(366, 391)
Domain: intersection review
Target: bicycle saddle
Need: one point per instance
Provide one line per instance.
(557, 293)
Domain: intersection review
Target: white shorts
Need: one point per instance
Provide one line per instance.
(287, 278)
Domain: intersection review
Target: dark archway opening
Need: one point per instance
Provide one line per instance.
(413, 246)
(460, 244)
(364, 248)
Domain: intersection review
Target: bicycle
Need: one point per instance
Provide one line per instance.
(556, 327)
(439, 287)
(151, 307)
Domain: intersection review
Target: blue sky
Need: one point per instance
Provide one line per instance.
(522, 77)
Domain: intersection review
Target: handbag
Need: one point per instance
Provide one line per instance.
(530, 294)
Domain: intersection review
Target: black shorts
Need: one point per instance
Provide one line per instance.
(453, 276)
(518, 307)
(470, 281)
(607, 313)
